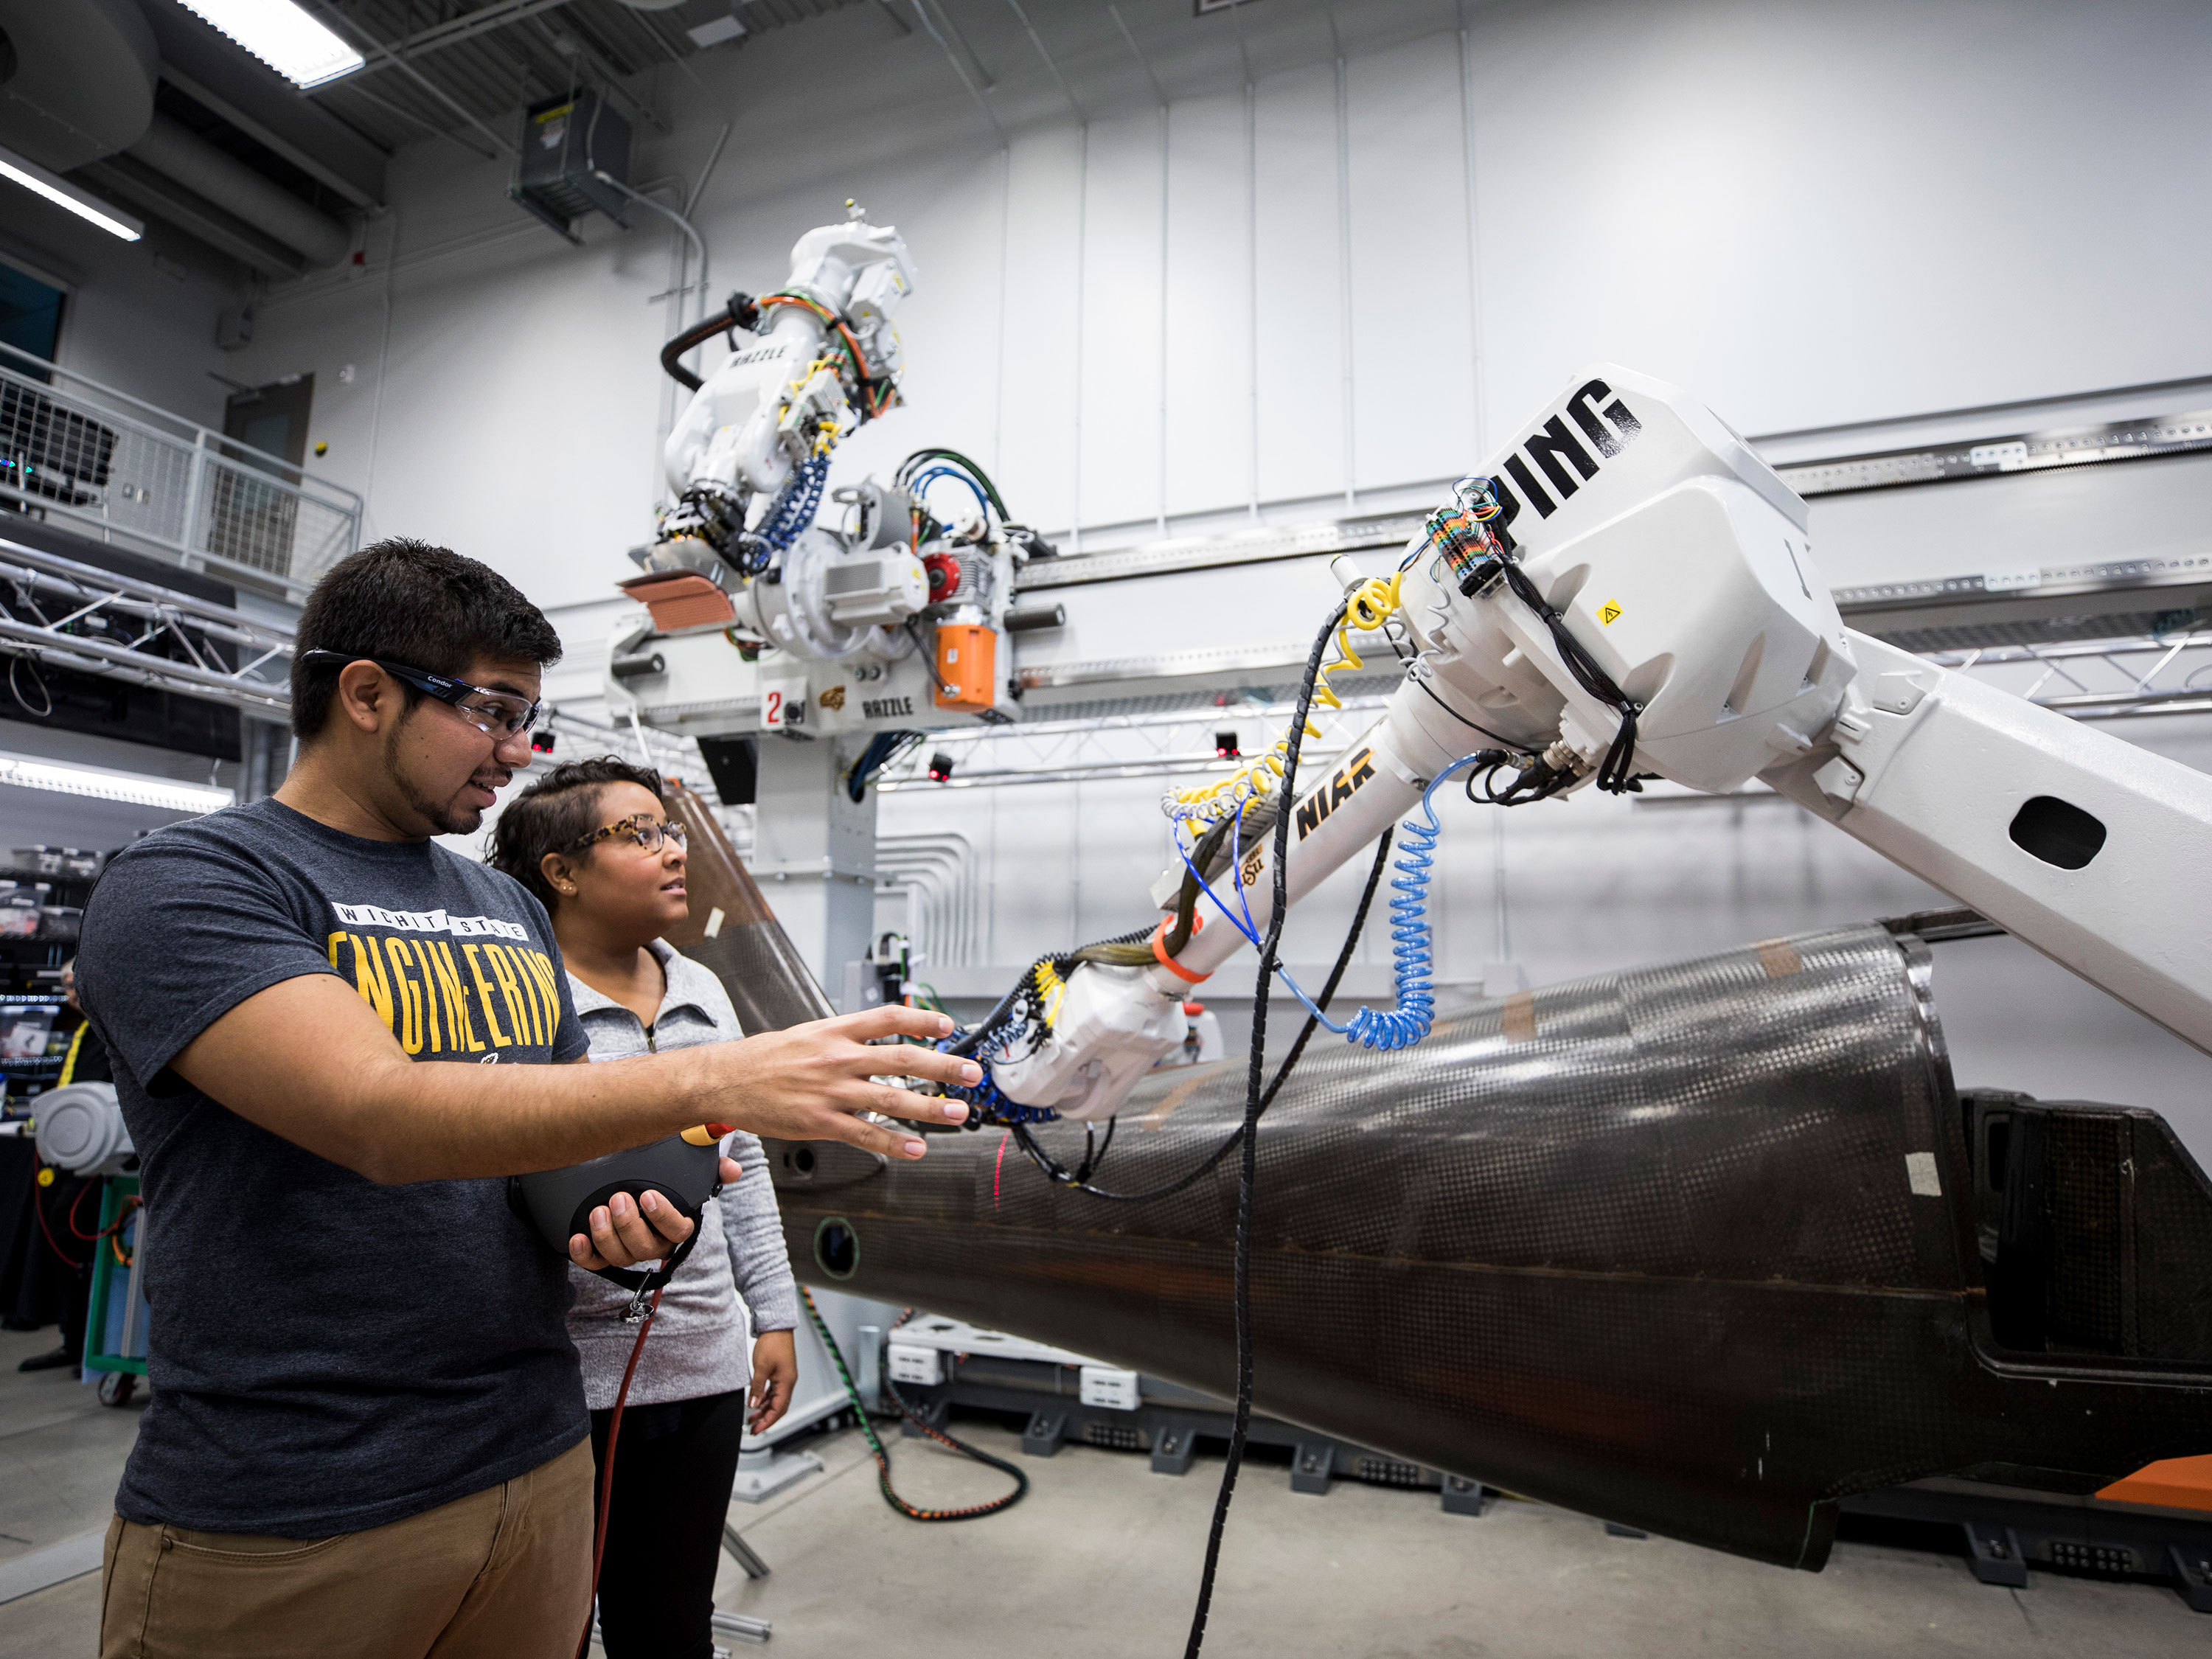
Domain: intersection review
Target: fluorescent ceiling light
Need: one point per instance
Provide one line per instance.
(130, 788)
(63, 194)
(282, 36)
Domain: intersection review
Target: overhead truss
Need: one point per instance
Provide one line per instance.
(57, 611)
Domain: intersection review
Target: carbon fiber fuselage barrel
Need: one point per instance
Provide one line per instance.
(1694, 1249)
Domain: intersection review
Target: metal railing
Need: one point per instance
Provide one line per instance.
(102, 463)
(1161, 744)
(2137, 676)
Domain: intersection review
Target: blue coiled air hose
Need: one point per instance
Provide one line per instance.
(1411, 956)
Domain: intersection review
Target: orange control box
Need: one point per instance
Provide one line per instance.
(967, 663)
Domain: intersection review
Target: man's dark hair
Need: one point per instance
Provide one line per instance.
(409, 602)
(555, 813)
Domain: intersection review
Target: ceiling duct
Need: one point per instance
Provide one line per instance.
(179, 154)
(207, 67)
(82, 81)
(80, 94)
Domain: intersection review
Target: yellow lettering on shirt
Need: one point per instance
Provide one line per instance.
(429, 975)
(548, 987)
(519, 1013)
(525, 971)
(457, 1022)
(500, 1039)
(368, 979)
(409, 995)
(547, 1015)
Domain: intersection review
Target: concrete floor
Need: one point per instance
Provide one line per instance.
(1102, 1559)
(61, 1452)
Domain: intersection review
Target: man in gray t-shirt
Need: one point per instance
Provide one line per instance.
(367, 1430)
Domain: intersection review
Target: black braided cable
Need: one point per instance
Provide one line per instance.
(912, 1512)
(1249, 1171)
(1616, 774)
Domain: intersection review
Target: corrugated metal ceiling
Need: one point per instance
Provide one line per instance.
(462, 68)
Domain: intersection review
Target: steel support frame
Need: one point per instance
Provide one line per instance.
(45, 597)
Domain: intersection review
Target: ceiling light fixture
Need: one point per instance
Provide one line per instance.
(284, 36)
(129, 788)
(63, 194)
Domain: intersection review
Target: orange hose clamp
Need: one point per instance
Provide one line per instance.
(967, 665)
(1160, 953)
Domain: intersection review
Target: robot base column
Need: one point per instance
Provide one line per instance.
(814, 853)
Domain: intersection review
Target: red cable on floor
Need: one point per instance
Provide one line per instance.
(40, 1210)
(607, 1473)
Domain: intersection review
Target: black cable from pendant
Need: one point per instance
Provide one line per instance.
(1248, 1173)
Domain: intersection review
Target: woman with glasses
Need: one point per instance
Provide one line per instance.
(592, 839)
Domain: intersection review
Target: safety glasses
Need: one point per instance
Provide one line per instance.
(647, 833)
(499, 715)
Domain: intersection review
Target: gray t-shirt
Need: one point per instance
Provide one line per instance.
(327, 1355)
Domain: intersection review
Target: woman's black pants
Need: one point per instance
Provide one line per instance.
(674, 1463)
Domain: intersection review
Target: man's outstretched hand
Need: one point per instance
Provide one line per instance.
(814, 1082)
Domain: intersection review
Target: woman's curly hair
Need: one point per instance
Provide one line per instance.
(556, 812)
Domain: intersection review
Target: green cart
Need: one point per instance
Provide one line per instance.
(115, 1327)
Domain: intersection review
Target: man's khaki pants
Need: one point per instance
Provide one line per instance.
(503, 1572)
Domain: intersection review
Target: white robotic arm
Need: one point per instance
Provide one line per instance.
(825, 361)
(893, 620)
(1631, 593)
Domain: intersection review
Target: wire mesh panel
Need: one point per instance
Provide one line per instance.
(250, 518)
(53, 452)
(78, 453)
(324, 532)
(149, 486)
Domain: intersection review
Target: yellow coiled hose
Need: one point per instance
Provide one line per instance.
(1366, 608)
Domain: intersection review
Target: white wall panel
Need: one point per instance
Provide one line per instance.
(1121, 344)
(1815, 213)
(1037, 446)
(2024, 521)
(513, 425)
(1412, 351)
(1209, 307)
(1304, 441)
